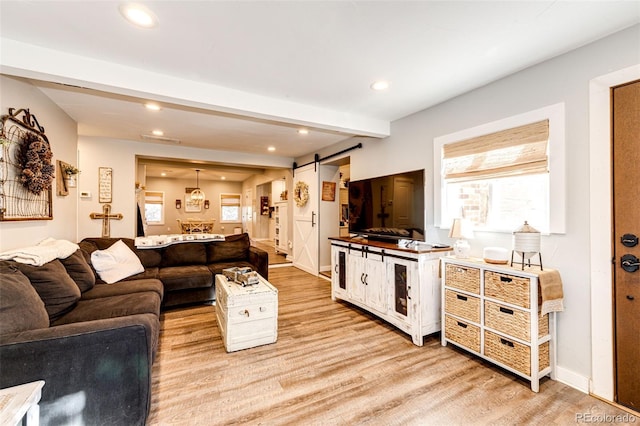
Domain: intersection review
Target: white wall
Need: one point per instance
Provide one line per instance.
(562, 79)
(175, 189)
(62, 133)
(121, 156)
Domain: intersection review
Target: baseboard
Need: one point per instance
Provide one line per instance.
(572, 379)
(280, 265)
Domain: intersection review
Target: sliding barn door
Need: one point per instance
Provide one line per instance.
(305, 221)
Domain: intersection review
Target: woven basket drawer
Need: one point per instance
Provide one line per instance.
(514, 354)
(513, 322)
(463, 278)
(508, 288)
(462, 305)
(462, 333)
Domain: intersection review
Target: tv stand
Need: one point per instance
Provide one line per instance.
(399, 285)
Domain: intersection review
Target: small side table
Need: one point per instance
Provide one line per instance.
(20, 402)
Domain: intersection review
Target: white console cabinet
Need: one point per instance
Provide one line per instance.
(399, 285)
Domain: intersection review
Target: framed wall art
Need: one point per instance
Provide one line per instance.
(328, 191)
(105, 176)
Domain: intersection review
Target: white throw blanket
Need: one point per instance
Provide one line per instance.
(44, 252)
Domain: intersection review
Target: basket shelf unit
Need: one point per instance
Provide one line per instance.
(492, 311)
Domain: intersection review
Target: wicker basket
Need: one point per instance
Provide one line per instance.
(514, 354)
(508, 288)
(462, 333)
(463, 278)
(461, 305)
(513, 322)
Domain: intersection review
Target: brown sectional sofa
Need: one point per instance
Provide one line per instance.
(94, 343)
(187, 269)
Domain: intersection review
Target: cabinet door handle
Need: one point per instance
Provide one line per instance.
(408, 292)
(506, 342)
(506, 311)
(362, 278)
(245, 313)
(461, 297)
(366, 276)
(336, 268)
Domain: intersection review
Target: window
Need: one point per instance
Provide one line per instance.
(501, 174)
(229, 208)
(154, 207)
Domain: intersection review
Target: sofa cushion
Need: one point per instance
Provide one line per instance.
(184, 277)
(21, 308)
(182, 254)
(124, 287)
(79, 270)
(54, 286)
(116, 262)
(235, 247)
(111, 307)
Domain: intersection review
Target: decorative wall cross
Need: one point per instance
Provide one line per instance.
(106, 216)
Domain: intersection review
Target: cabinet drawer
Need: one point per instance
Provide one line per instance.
(508, 288)
(513, 322)
(462, 333)
(462, 305)
(514, 354)
(463, 278)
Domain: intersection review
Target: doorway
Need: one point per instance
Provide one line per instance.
(601, 383)
(626, 247)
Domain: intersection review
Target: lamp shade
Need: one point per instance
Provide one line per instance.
(461, 228)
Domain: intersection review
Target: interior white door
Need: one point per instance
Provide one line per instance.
(247, 212)
(305, 221)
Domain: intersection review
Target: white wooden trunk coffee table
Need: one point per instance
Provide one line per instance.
(19, 404)
(247, 316)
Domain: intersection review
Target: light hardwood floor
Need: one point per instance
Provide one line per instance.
(334, 364)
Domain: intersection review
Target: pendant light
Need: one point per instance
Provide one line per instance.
(197, 196)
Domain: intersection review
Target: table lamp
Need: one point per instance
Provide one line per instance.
(461, 231)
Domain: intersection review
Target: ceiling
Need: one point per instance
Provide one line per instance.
(245, 76)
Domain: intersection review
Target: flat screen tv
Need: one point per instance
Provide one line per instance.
(388, 207)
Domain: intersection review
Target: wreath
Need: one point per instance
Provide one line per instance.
(34, 158)
(301, 194)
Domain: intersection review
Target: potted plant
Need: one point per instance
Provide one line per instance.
(70, 173)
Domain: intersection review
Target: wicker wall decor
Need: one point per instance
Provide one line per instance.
(26, 168)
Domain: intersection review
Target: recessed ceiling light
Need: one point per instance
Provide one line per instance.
(151, 106)
(303, 131)
(157, 133)
(138, 15)
(271, 148)
(380, 85)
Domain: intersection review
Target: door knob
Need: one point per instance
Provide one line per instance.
(630, 297)
(630, 263)
(629, 240)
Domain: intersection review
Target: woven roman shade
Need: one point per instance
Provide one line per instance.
(516, 151)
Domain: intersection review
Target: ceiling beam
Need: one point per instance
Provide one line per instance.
(35, 62)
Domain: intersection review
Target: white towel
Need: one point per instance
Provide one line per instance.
(44, 252)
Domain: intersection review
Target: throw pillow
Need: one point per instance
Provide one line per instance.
(79, 271)
(21, 308)
(54, 286)
(116, 262)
